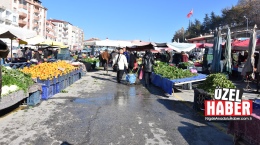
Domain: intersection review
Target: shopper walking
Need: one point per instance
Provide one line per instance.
(147, 65)
(120, 62)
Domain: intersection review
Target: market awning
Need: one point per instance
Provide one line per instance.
(51, 43)
(32, 41)
(12, 32)
(244, 44)
(138, 45)
(163, 49)
(179, 47)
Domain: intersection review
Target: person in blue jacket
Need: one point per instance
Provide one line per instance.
(127, 58)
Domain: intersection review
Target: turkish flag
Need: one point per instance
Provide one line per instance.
(190, 13)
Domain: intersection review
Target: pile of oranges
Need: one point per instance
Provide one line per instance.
(46, 71)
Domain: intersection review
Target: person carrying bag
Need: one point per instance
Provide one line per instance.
(119, 64)
(115, 66)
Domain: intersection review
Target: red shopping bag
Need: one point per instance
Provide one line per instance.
(141, 74)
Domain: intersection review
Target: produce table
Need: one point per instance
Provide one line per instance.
(248, 131)
(167, 85)
(15, 97)
(18, 65)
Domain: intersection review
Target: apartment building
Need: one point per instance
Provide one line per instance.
(68, 34)
(50, 31)
(7, 15)
(28, 14)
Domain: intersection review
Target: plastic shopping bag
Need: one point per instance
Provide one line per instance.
(141, 74)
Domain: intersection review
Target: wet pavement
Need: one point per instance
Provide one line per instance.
(98, 111)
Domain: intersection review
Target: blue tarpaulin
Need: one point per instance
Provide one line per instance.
(167, 84)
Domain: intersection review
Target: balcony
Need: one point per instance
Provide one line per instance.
(36, 4)
(22, 23)
(22, 15)
(36, 18)
(36, 11)
(65, 33)
(65, 27)
(22, 6)
(50, 29)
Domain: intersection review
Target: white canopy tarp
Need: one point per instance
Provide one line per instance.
(109, 43)
(12, 32)
(179, 47)
(90, 43)
(35, 40)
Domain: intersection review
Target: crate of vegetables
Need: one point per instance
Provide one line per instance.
(48, 73)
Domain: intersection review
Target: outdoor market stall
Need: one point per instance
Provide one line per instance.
(36, 83)
(166, 77)
(14, 32)
(248, 130)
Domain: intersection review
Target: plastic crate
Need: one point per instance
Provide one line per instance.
(75, 77)
(70, 80)
(66, 84)
(54, 89)
(59, 78)
(45, 82)
(61, 85)
(55, 80)
(57, 88)
(34, 98)
(47, 92)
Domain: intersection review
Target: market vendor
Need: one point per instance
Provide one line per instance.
(185, 57)
(37, 56)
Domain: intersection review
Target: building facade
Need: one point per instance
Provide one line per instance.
(28, 14)
(68, 34)
(8, 16)
(50, 31)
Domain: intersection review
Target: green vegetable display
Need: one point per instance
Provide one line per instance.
(16, 77)
(184, 65)
(90, 60)
(171, 72)
(215, 80)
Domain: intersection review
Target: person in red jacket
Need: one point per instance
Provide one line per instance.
(185, 57)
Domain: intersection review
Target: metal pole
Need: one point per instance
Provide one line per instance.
(183, 35)
(247, 24)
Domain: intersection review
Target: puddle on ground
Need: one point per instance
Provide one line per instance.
(108, 99)
(121, 97)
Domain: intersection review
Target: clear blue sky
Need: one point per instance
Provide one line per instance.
(132, 19)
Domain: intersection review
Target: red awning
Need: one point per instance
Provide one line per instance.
(243, 44)
(206, 45)
(203, 45)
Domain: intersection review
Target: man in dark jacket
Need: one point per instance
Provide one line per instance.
(147, 65)
(132, 60)
(37, 56)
